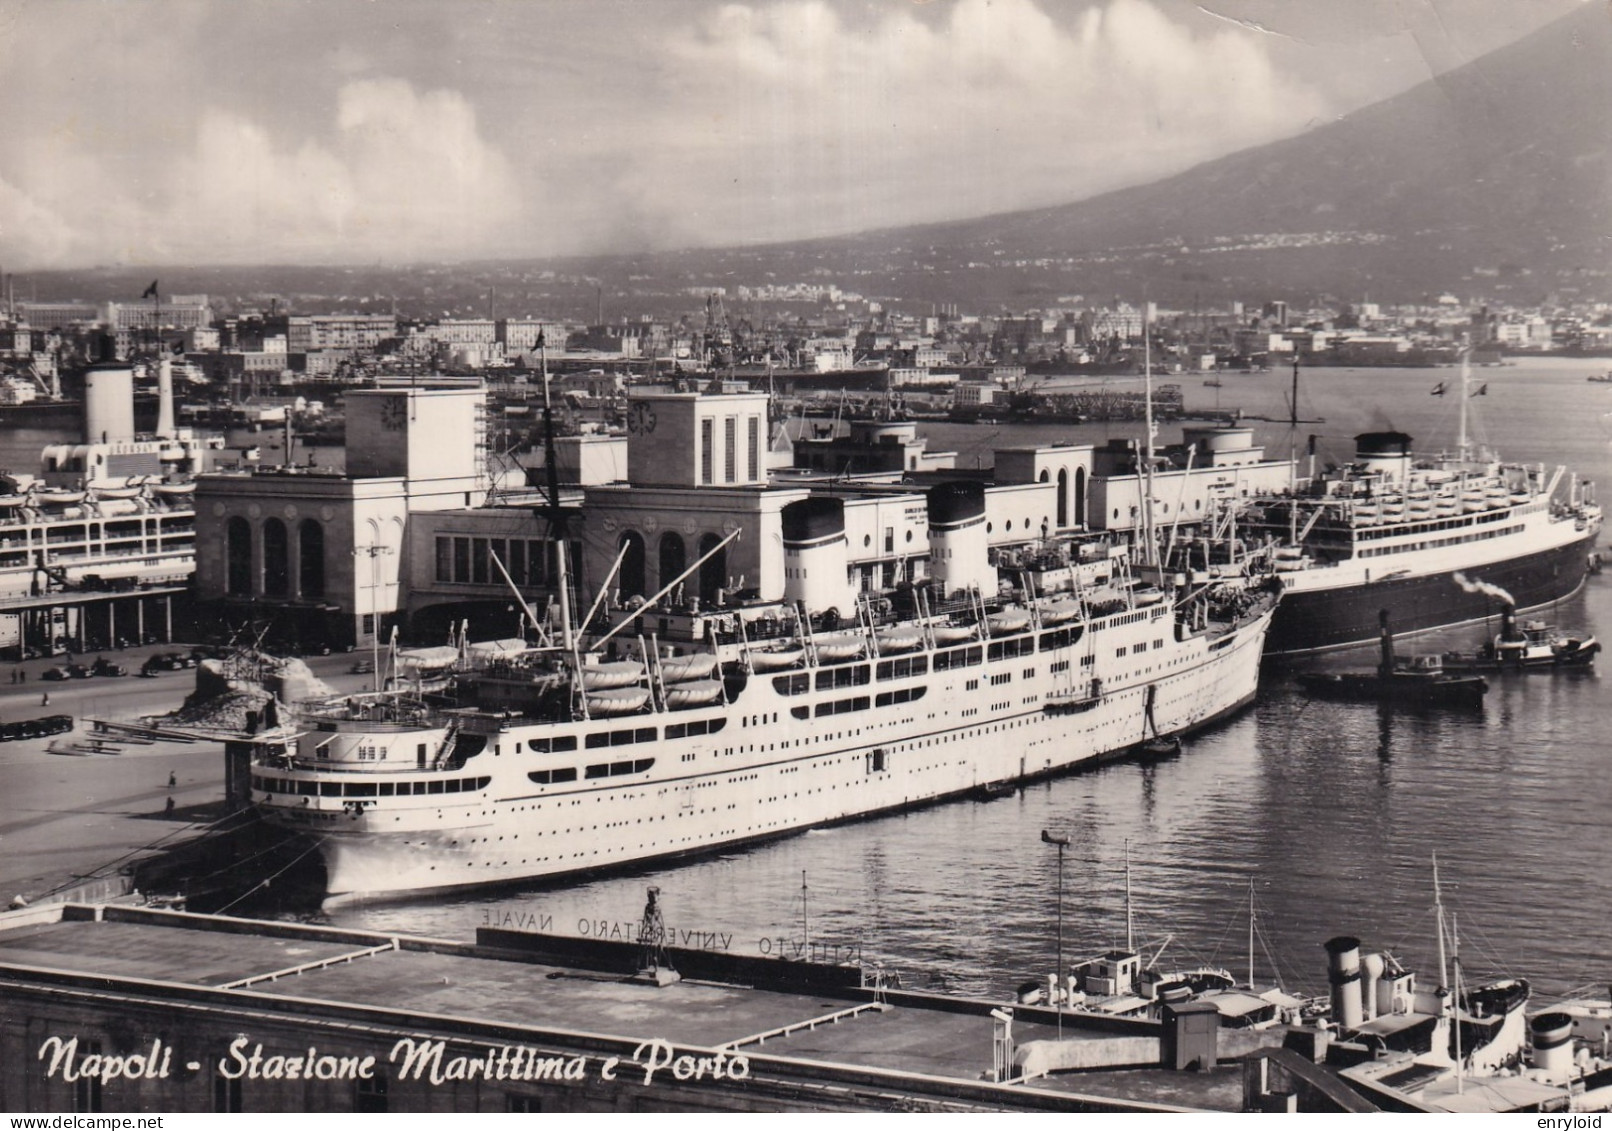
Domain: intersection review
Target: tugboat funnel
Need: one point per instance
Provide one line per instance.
(1386, 667)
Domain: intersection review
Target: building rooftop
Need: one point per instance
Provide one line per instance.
(815, 1023)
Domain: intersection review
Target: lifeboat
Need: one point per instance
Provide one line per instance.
(774, 659)
(174, 488)
(115, 490)
(59, 498)
(901, 638)
(619, 673)
(680, 669)
(953, 633)
(695, 693)
(839, 646)
(617, 701)
(7, 502)
(1009, 620)
(1056, 612)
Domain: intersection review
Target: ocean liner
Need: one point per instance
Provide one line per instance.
(112, 514)
(1435, 541)
(656, 732)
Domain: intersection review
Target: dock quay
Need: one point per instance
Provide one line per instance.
(186, 1012)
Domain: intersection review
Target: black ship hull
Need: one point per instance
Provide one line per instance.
(1405, 689)
(1317, 620)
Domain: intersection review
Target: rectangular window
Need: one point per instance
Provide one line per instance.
(461, 560)
(600, 770)
(498, 550)
(478, 561)
(730, 429)
(517, 561)
(755, 447)
(444, 559)
(707, 449)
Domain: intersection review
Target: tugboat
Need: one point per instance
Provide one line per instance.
(1535, 646)
(1422, 681)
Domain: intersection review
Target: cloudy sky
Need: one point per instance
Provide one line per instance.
(253, 131)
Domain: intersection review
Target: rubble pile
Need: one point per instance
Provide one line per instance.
(232, 692)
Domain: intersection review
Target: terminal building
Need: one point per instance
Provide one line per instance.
(417, 533)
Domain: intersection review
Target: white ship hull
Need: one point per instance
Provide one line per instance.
(778, 763)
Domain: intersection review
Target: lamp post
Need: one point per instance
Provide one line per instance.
(374, 551)
(1062, 843)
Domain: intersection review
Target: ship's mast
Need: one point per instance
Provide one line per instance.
(1130, 944)
(1293, 456)
(1466, 379)
(1250, 932)
(1149, 552)
(1438, 907)
(557, 516)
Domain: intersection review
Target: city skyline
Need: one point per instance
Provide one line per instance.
(355, 133)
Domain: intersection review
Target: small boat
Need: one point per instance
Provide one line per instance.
(681, 669)
(695, 693)
(7, 502)
(839, 646)
(1159, 748)
(617, 701)
(174, 488)
(1600, 378)
(1212, 383)
(1059, 610)
(1073, 701)
(953, 633)
(58, 498)
(1008, 621)
(903, 638)
(774, 659)
(104, 490)
(1421, 682)
(618, 673)
(1535, 646)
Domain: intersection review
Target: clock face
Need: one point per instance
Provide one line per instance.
(393, 413)
(640, 420)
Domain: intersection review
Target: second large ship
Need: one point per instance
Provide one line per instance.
(1435, 541)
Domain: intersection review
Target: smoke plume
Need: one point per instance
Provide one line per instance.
(1471, 586)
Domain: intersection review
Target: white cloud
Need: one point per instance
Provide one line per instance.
(751, 121)
(793, 122)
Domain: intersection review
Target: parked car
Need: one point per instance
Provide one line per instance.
(78, 671)
(103, 666)
(57, 673)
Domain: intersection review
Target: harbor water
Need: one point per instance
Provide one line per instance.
(1330, 813)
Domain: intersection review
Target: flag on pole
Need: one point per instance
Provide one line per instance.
(151, 291)
(539, 342)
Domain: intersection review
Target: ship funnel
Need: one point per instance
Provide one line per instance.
(1552, 1035)
(1386, 667)
(817, 555)
(1371, 972)
(1343, 972)
(959, 544)
(165, 399)
(1508, 623)
(108, 403)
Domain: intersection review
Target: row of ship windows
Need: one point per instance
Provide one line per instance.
(859, 703)
(1480, 536)
(1427, 527)
(565, 743)
(369, 789)
(799, 683)
(591, 773)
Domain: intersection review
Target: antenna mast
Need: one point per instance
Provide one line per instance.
(1149, 551)
(1130, 945)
